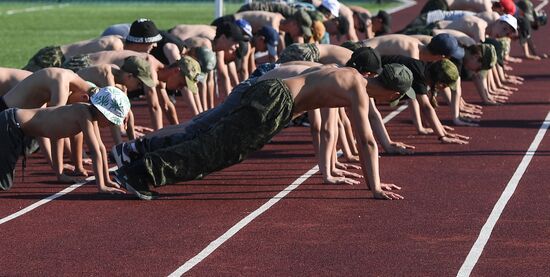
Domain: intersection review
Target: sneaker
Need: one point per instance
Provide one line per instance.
(139, 189)
(122, 155)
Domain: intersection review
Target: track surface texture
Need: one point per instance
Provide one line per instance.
(316, 229)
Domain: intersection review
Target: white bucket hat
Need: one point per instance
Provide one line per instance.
(511, 20)
(112, 103)
(333, 6)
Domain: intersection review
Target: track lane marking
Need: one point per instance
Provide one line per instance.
(48, 199)
(487, 228)
(33, 9)
(212, 246)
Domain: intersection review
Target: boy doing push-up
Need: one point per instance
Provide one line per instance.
(106, 106)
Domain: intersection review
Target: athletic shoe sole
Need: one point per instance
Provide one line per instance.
(119, 179)
(117, 156)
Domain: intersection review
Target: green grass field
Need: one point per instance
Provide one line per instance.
(24, 32)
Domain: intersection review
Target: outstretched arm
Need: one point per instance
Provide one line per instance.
(368, 151)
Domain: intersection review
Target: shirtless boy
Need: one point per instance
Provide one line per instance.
(9, 77)
(249, 127)
(106, 106)
(142, 38)
(50, 87)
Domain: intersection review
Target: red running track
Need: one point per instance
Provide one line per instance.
(317, 229)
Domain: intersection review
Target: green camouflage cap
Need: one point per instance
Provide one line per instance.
(112, 103)
(488, 56)
(190, 69)
(499, 49)
(351, 45)
(304, 20)
(206, 59)
(444, 71)
(397, 77)
(140, 68)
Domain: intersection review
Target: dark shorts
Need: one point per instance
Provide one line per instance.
(50, 56)
(206, 120)
(282, 8)
(226, 18)
(11, 137)
(300, 52)
(433, 5)
(265, 109)
(420, 30)
(77, 62)
(3, 105)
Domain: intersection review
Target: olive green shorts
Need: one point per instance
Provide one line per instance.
(77, 62)
(265, 109)
(300, 52)
(50, 56)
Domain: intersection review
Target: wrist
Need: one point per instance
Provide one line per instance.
(440, 138)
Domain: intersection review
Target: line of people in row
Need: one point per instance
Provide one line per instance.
(325, 71)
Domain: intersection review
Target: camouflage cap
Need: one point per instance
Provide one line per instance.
(304, 20)
(488, 56)
(190, 69)
(140, 68)
(499, 49)
(444, 71)
(397, 77)
(206, 58)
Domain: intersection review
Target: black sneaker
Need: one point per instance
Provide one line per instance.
(138, 188)
(122, 155)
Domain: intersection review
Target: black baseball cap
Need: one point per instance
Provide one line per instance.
(230, 30)
(365, 59)
(386, 22)
(143, 31)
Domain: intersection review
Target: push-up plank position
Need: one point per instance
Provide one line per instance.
(265, 109)
(106, 106)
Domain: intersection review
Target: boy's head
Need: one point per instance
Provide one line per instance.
(330, 8)
(184, 72)
(443, 73)
(266, 39)
(397, 78)
(143, 35)
(381, 23)
(366, 60)
(446, 46)
(140, 70)
(506, 26)
(302, 23)
(228, 35)
(112, 103)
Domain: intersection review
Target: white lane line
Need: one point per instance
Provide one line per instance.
(243, 222)
(393, 114)
(487, 229)
(34, 9)
(48, 199)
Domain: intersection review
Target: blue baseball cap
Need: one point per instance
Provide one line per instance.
(447, 45)
(245, 26)
(271, 39)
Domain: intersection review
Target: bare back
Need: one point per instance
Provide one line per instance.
(112, 42)
(258, 19)
(333, 54)
(51, 86)
(10, 77)
(396, 44)
(184, 31)
(101, 75)
(286, 71)
(326, 88)
(54, 122)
